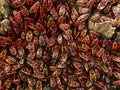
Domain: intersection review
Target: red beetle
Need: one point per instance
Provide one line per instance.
(102, 5)
(14, 24)
(42, 16)
(17, 3)
(17, 17)
(35, 7)
(12, 50)
(24, 11)
(39, 85)
(7, 84)
(29, 36)
(3, 54)
(11, 60)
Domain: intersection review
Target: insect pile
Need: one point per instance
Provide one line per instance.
(49, 43)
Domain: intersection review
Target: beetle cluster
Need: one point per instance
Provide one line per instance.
(49, 42)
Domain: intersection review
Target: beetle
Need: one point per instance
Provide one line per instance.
(54, 13)
(56, 73)
(21, 52)
(39, 52)
(55, 52)
(34, 8)
(17, 16)
(29, 35)
(24, 11)
(39, 85)
(7, 83)
(14, 24)
(82, 17)
(10, 60)
(31, 56)
(73, 84)
(102, 4)
(26, 71)
(77, 66)
(13, 50)
(17, 3)
(62, 10)
(30, 47)
(3, 54)
(92, 76)
(31, 83)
